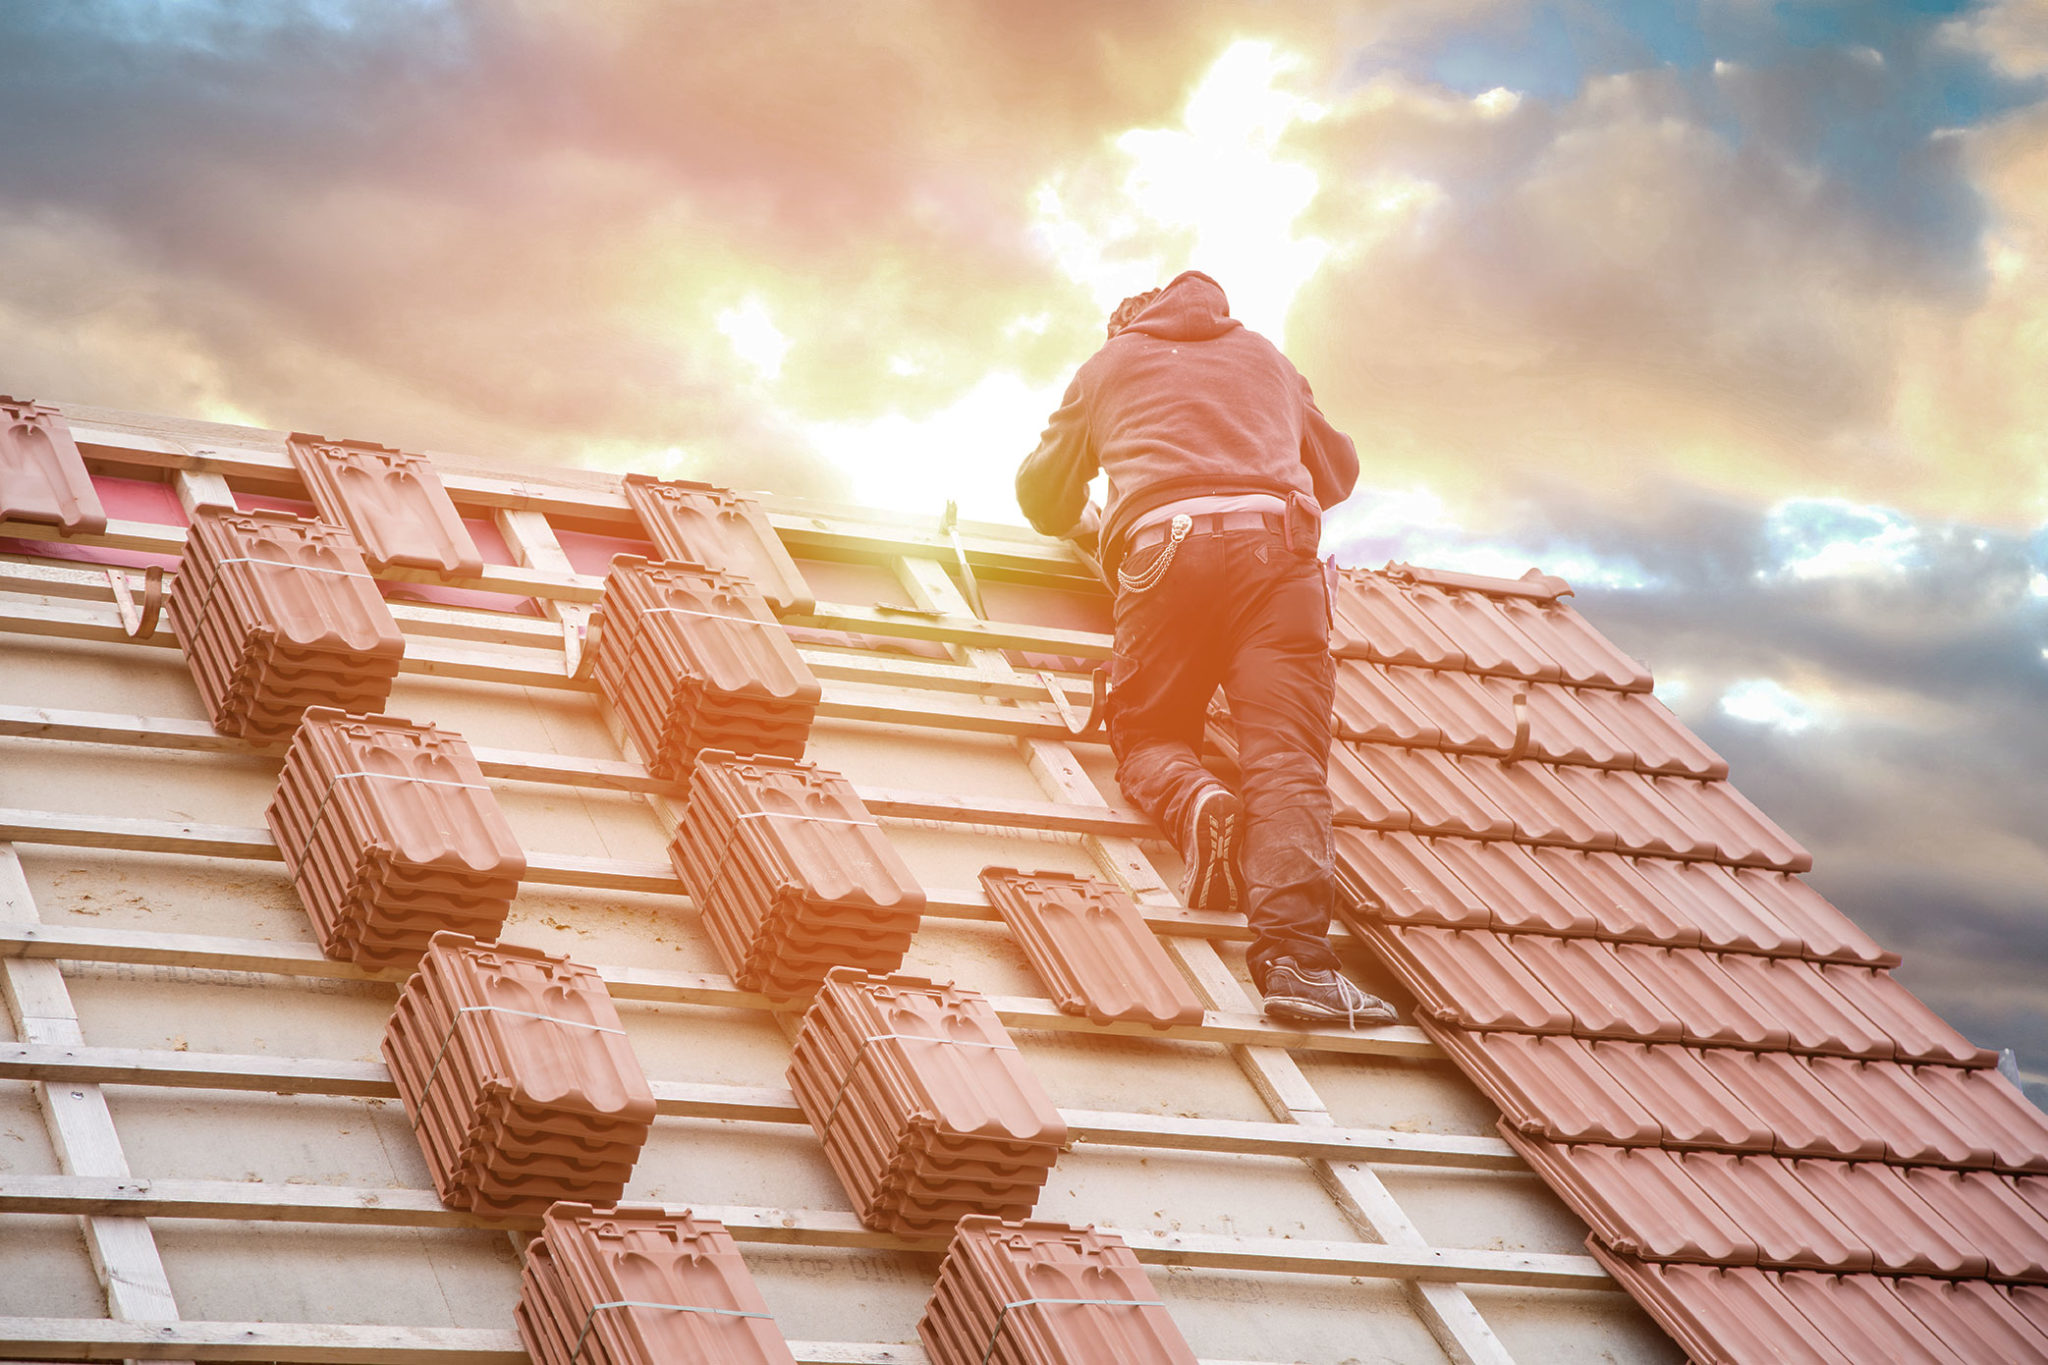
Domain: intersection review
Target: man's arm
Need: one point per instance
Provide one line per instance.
(1052, 483)
(1327, 453)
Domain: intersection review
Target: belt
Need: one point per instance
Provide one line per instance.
(1207, 523)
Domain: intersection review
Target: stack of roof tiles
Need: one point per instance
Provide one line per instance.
(518, 1079)
(277, 613)
(1774, 1143)
(693, 659)
(641, 1285)
(699, 524)
(1045, 1294)
(392, 836)
(924, 1105)
(791, 874)
(392, 501)
(1098, 956)
(43, 478)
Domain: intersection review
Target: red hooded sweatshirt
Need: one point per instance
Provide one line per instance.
(1185, 401)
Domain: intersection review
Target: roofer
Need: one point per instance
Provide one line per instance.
(1219, 467)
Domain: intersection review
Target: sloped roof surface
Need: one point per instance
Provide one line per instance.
(1777, 1147)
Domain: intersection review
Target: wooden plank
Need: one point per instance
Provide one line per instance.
(307, 1343)
(121, 1247)
(264, 1201)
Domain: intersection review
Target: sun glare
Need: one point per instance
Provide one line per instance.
(754, 336)
(1214, 194)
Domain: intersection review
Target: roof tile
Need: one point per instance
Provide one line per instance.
(1369, 705)
(1915, 1125)
(1794, 1227)
(1975, 1318)
(1358, 796)
(43, 478)
(1640, 1201)
(1918, 1034)
(1815, 1016)
(1551, 1087)
(1624, 906)
(1584, 656)
(1992, 1109)
(1862, 1315)
(1740, 832)
(1991, 1215)
(391, 501)
(1564, 728)
(1709, 1005)
(1373, 618)
(1641, 820)
(1692, 1108)
(1435, 795)
(1541, 809)
(721, 529)
(1734, 1315)
(1710, 896)
(1469, 978)
(1904, 1233)
(1092, 947)
(1805, 1117)
(1402, 879)
(1466, 712)
(1475, 624)
(1645, 727)
(1509, 880)
(1822, 931)
(1603, 996)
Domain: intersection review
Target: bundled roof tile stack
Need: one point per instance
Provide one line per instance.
(43, 478)
(1095, 951)
(1045, 1294)
(641, 1285)
(699, 524)
(924, 1105)
(518, 1079)
(1775, 1144)
(277, 613)
(392, 836)
(693, 659)
(392, 501)
(791, 874)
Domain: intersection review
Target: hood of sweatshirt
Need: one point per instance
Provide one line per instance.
(1190, 308)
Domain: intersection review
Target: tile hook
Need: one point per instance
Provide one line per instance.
(138, 622)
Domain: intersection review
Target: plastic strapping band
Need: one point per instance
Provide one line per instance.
(456, 1022)
(1004, 1316)
(320, 811)
(732, 832)
(590, 1318)
(846, 1082)
(640, 634)
(219, 564)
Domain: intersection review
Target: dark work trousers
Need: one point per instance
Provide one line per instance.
(1239, 610)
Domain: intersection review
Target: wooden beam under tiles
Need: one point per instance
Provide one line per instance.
(703, 1100)
(121, 1247)
(684, 988)
(262, 1201)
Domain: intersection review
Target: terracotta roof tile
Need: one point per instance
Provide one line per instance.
(1358, 796)
(1639, 817)
(1595, 982)
(1916, 1032)
(1373, 618)
(1978, 1320)
(596, 1282)
(1652, 736)
(1469, 978)
(1096, 953)
(1622, 904)
(1905, 1234)
(1541, 809)
(1564, 727)
(1915, 1125)
(1585, 657)
(1710, 1006)
(1435, 795)
(699, 524)
(1465, 711)
(43, 478)
(999, 1298)
(1740, 832)
(1711, 897)
(1733, 1315)
(1509, 879)
(1551, 1087)
(1992, 1216)
(1400, 875)
(1370, 705)
(1477, 628)
(276, 613)
(1823, 931)
(1991, 1109)
(1804, 1115)
(391, 501)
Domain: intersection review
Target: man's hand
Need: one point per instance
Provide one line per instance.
(1088, 530)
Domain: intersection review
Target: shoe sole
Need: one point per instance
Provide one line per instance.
(1213, 882)
(1308, 1012)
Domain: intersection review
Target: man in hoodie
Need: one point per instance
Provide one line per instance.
(1219, 467)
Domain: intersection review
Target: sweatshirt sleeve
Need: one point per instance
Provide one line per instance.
(1327, 454)
(1052, 483)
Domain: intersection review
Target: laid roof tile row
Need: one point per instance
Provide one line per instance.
(1446, 709)
(1389, 619)
(1738, 1315)
(1389, 787)
(43, 478)
(1802, 1214)
(1575, 1090)
(1463, 883)
(1537, 983)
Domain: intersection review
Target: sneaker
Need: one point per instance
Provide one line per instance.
(1212, 849)
(1317, 994)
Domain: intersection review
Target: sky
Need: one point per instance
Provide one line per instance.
(1732, 312)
